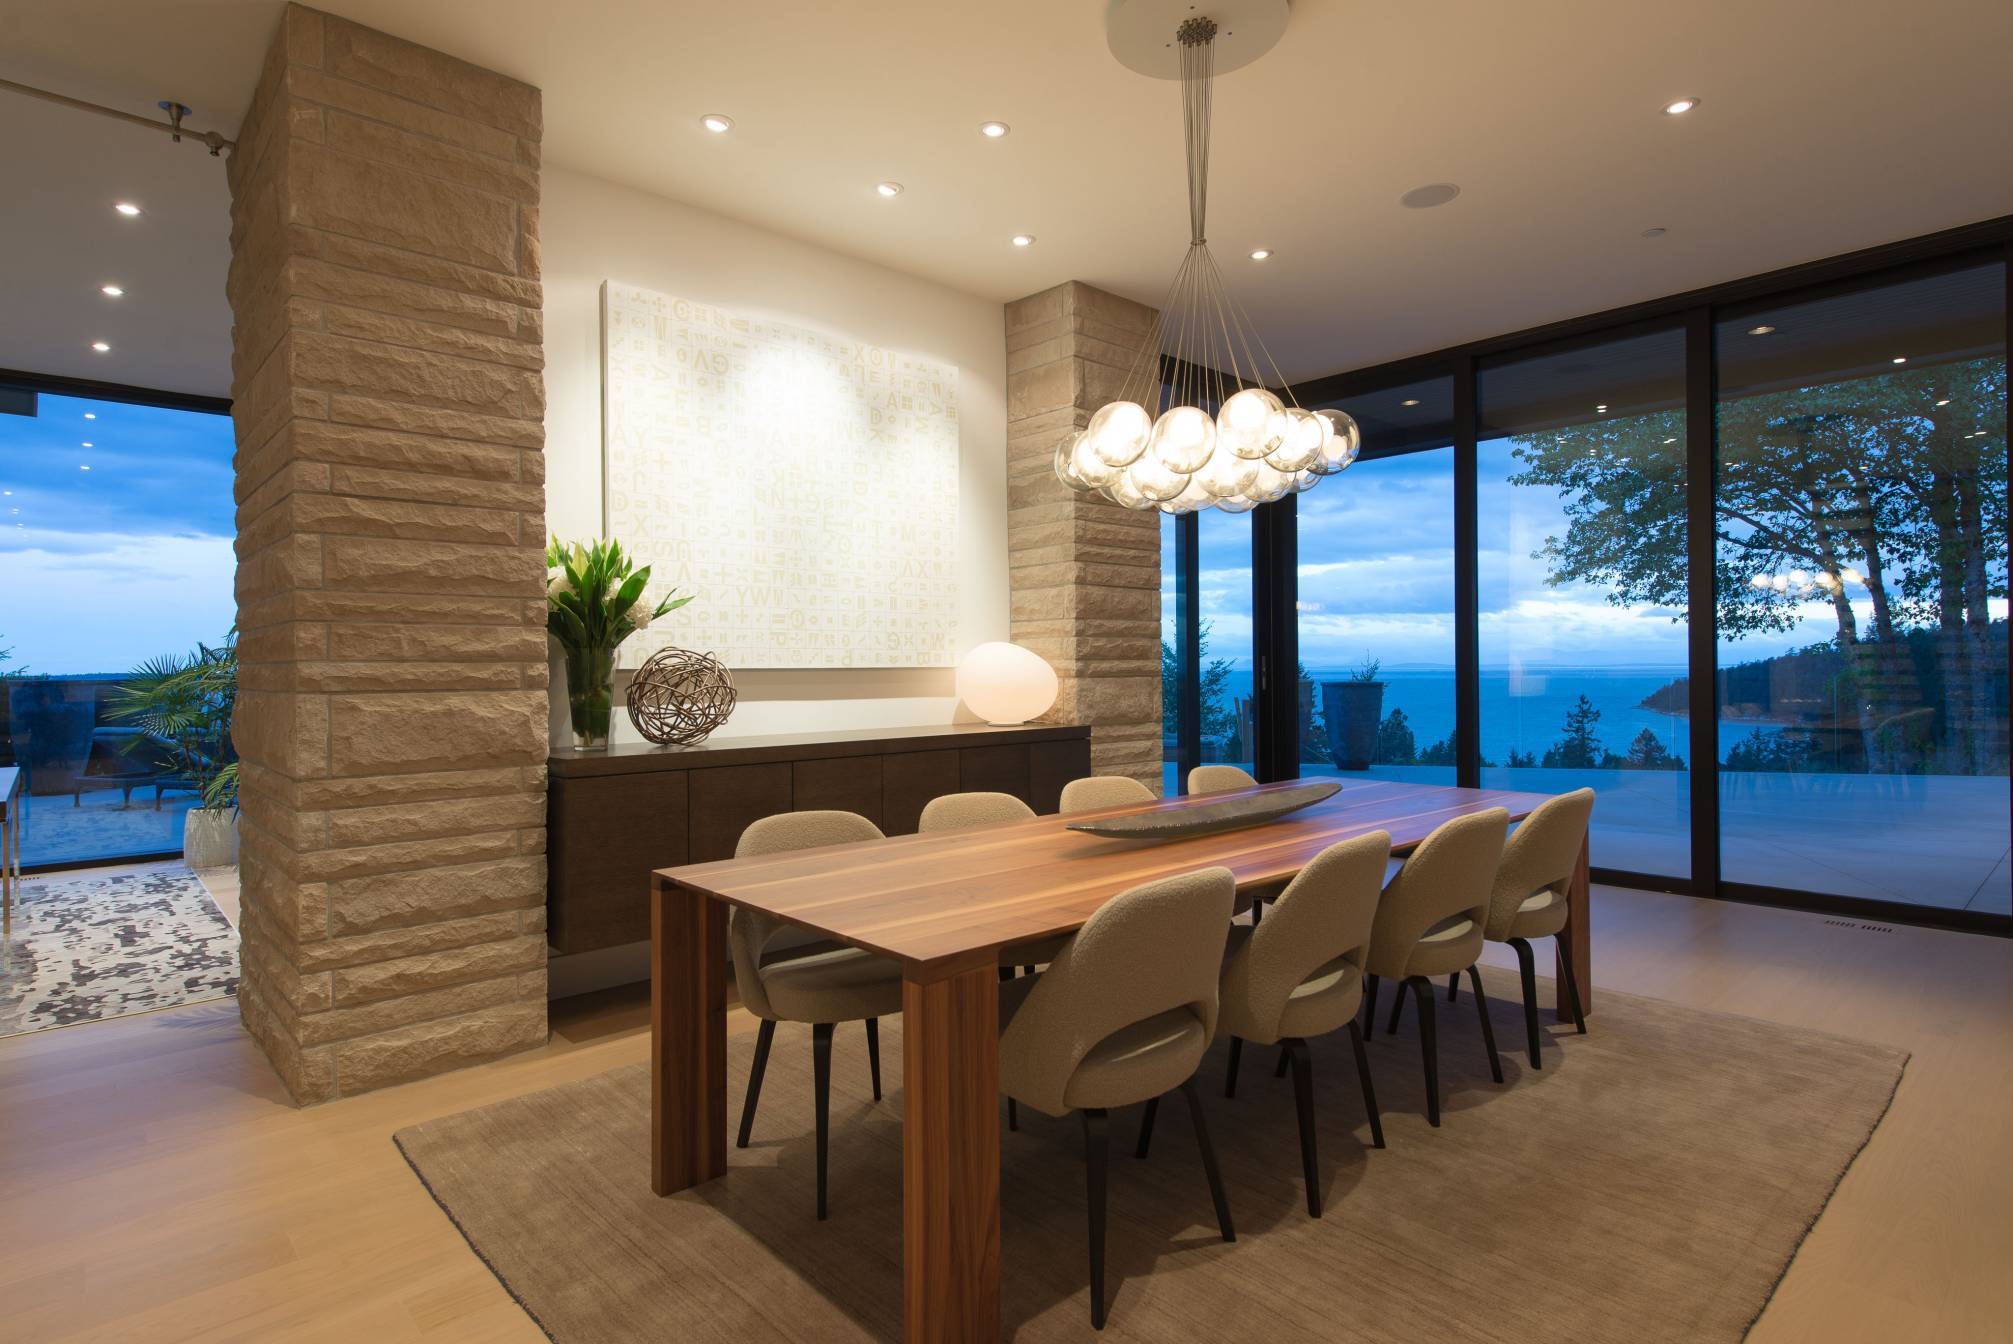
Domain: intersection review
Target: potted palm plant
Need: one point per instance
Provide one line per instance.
(594, 598)
(182, 706)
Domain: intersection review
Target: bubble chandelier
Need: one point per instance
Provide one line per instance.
(1256, 446)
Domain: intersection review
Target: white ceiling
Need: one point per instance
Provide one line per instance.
(1824, 128)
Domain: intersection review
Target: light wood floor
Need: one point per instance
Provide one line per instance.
(156, 1185)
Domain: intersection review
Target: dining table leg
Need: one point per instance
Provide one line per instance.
(951, 1150)
(688, 1037)
(1578, 942)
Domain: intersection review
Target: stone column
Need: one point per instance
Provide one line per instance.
(1084, 573)
(388, 401)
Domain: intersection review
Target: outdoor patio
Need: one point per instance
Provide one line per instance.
(101, 826)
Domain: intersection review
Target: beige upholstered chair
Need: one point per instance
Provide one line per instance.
(955, 811)
(1429, 923)
(1218, 779)
(1123, 1015)
(1101, 791)
(1300, 974)
(1530, 896)
(842, 986)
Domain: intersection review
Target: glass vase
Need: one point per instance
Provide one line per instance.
(590, 696)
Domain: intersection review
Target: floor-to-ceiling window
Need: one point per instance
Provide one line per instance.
(1737, 560)
(116, 528)
(1375, 600)
(1861, 530)
(1581, 576)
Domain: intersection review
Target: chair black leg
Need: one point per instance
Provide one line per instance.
(1013, 1116)
(1027, 970)
(1303, 1102)
(1527, 970)
(874, 1053)
(1006, 973)
(1230, 1074)
(1454, 987)
(1096, 1143)
(763, 1037)
(1369, 1088)
(1279, 1069)
(1146, 1127)
(1257, 912)
(1370, 986)
(821, 1086)
(1429, 1044)
(1488, 1027)
(1209, 1170)
(1572, 985)
(1397, 1011)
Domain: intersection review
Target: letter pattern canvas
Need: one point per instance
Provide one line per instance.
(804, 485)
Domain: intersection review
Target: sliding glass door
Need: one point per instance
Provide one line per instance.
(1581, 563)
(1860, 508)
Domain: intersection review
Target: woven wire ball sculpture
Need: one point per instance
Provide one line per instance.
(679, 696)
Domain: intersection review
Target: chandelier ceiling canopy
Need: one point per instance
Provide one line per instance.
(1223, 440)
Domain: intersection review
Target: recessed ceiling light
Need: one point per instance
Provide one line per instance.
(86, 444)
(126, 208)
(1680, 107)
(100, 347)
(1023, 240)
(889, 188)
(1657, 232)
(716, 123)
(1409, 401)
(1762, 330)
(83, 466)
(90, 415)
(111, 291)
(1602, 408)
(1428, 196)
(1901, 359)
(993, 130)
(1260, 253)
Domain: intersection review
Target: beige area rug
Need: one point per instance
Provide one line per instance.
(1652, 1182)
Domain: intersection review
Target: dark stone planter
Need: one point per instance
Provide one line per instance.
(1352, 711)
(51, 720)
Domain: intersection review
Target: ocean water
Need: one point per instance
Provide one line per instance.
(1525, 710)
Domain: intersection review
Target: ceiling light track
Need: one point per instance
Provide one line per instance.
(172, 126)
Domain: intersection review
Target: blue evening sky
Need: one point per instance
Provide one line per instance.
(103, 569)
(1377, 578)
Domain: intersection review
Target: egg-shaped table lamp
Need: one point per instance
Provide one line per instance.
(1005, 684)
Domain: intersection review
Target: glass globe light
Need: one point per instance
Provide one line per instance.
(1089, 468)
(1182, 439)
(1344, 442)
(1118, 432)
(1154, 481)
(1245, 422)
(1272, 484)
(1006, 684)
(1193, 496)
(1125, 494)
(1226, 474)
(1301, 447)
(1304, 479)
(1065, 462)
(1237, 504)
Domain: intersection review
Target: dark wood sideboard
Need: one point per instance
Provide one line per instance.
(613, 816)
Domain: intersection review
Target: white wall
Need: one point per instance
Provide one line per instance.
(592, 231)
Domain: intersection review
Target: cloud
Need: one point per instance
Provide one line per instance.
(92, 602)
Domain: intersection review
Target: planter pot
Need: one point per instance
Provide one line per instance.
(590, 696)
(1352, 711)
(210, 838)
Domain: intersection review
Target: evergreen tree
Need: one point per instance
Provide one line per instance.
(1395, 743)
(1523, 760)
(1647, 752)
(1579, 749)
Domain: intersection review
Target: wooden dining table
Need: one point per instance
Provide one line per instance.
(944, 905)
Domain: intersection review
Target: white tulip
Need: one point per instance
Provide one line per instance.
(639, 615)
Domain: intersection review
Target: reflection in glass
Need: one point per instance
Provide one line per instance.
(1581, 536)
(1861, 557)
(1376, 596)
(1229, 707)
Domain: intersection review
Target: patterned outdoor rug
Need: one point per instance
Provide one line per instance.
(86, 948)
